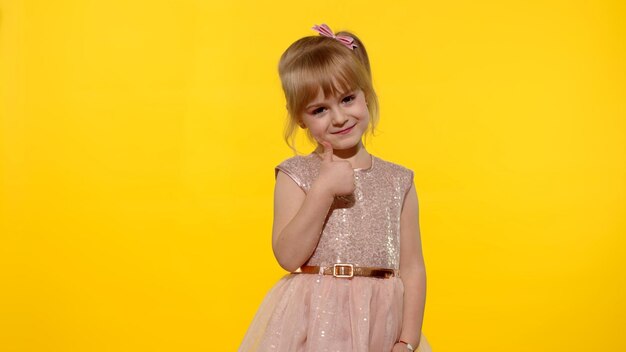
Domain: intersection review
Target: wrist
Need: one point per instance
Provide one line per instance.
(322, 192)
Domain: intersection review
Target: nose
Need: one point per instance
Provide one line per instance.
(339, 117)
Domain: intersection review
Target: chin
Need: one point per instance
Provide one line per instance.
(344, 146)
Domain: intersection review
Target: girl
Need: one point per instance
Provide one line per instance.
(345, 221)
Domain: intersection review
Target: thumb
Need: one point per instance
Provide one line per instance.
(328, 151)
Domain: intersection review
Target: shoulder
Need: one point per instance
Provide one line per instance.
(394, 168)
(402, 176)
(296, 160)
(300, 168)
(297, 163)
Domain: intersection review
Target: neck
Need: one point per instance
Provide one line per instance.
(357, 155)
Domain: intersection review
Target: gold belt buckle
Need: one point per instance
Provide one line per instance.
(339, 270)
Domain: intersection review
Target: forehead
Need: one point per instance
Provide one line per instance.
(320, 96)
(322, 92)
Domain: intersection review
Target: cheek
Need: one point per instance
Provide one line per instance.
(364, 114)
(361, 109)
(317, 130)
(317, 125)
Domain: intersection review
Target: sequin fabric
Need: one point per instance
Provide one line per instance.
(321, 313)
(364, 227)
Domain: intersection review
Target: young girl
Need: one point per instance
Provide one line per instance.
(345, 221)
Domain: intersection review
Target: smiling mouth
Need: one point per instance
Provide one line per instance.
(347, 129)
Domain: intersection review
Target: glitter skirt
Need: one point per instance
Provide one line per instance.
(319, 313)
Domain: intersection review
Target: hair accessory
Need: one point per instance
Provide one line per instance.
(343, 39)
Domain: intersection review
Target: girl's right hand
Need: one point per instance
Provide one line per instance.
(337, 176)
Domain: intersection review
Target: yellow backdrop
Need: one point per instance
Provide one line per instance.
(139, 140)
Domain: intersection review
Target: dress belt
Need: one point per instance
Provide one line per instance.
(344, 270)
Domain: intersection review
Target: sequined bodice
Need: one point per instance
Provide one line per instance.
(363, 228)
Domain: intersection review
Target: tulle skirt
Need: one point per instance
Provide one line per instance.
(318, 313)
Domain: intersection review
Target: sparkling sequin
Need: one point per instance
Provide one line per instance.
(364, 228)
(321, 313)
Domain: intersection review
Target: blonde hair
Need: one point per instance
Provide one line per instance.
(318, 61)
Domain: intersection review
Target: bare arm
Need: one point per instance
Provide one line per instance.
(298, 221)
(412, 270)
(298, 217)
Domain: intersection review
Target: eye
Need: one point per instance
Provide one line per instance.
(350, 98)
(317, 111)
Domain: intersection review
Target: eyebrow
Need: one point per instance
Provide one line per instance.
(321, 103)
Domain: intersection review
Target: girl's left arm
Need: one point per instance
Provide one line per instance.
(412, 270)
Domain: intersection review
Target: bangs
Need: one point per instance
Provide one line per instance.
(333, 79)
(316, 66)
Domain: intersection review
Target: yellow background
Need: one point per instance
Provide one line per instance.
(139, 140)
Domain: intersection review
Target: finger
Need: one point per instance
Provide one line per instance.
(328, 151)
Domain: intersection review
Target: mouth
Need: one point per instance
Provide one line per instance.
(347, 130)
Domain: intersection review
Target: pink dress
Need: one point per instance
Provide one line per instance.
(319, 313)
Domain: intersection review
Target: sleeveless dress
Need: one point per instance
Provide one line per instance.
(319, 313)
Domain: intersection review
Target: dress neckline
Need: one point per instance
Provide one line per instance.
(360, 169)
